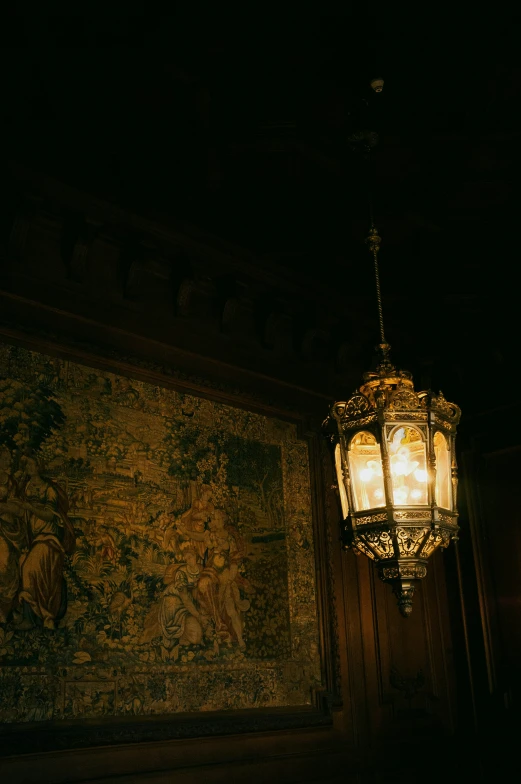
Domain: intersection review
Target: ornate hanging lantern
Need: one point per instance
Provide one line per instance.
(394, 453)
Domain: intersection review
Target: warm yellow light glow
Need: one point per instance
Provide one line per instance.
(443, 472)
(401, 495)
(365, 465)
(408, 467)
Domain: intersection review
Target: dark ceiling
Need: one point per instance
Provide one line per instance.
(255, 128)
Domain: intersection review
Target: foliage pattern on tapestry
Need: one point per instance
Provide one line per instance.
(156, 549)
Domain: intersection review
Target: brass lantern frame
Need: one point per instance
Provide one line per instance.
(398, 536)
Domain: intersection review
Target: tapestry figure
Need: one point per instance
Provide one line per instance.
(43, 595)
(13, 537)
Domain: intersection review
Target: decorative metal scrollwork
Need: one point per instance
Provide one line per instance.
(404, 399)
(412, 515)
(447, 518)
(404, 571)
(381, 543)
(357, 406)
(349, 424)
(445, 538)
(432, 542)
(396, 416)
(448, 411)
(381, 517)
(409, 539)
(362, 548)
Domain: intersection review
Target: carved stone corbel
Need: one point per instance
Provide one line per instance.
(197, 299)
(78, 260)
(278, 334)
(149, 278)
(238, 317)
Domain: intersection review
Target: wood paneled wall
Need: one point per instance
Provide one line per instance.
(490, 583)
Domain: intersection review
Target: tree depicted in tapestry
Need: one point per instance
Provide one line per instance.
(156, 549)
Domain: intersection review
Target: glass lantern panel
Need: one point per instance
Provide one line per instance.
(408, 462)
(365, 465)
(443, 472)
(340, 480)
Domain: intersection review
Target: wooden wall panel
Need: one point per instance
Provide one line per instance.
(412, 674)
(493, 471)
(485, 569)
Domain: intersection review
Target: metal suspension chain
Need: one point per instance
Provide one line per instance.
(373, 241)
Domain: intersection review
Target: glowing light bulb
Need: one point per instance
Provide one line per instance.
(416, 493)
(400, 495)
(366, 474)
(375, 466)
(420, 475)
(400, 465)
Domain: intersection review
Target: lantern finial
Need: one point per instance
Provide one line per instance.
(404, 594)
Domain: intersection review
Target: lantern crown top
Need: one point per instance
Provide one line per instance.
(380, 385)
(387, 391)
